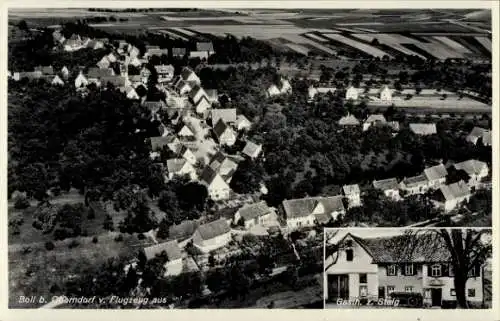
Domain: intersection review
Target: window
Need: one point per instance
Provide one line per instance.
(452, 292)
(391, 270)
(409, 289)
(363, 290)
(362, 278)
(390, 289)
(451, 271)
(409, 269)
(436, 270)
(472, 272)
(349, 254)
(471, 293)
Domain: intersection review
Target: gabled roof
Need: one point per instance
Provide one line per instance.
(386, 184)
(305, 206)
(186, 131)
(351, 189)
(213, 229)
(178, 51)
(455, 190)
(251, 149)
(57, 80)
(240, 119)
(435, 172)
(204, 46)
(95, 72)
(251, 211)
(156, 52)
(349, 120)
(175, 165)
(171, 249)
(186, 73)
(220, 128)
(478, 132)
(415, 180)
(194, 91)
(471, 166)
(388, 249)
(154, 105)
(384, 88)
(164, 68)
(46, 70)
(117, 81)
(228, 115)
(423, 129)
(212, 94)
(208, 175)
(161, 141)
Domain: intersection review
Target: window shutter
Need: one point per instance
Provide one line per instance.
(445, 269)
(429, 270)
(401, 268)
(387, 269)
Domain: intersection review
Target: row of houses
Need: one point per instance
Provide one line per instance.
(373, 120)
(203, 51)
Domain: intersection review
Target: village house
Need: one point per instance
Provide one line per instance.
(186, 132)
(203, 55)
(212, 95)
(389, 186)
(309, 211)
(116, 81)
(251, 215)
(133, 51)
(180, 167)
(212, 236)
(283, 88)
(57, 81)
(372, 269)
(163, 130)
(58, 37)
(423, 129)
(385, 94)
(165, 73)
(45, 70)
(225, 135)
(74, 43)
(224, 166)
(95, 44)
(95, 75)
(374, 120)
(352, 93)
(227, 115)
(349, 120)
(186, 153)
(189, 76)
(313, 91)
(217, 187)
(173, 253)
(479, 134)
(207, 47)
(476, 170)
(81, 81)
(154, 106)
(178, 52)
(196, 94)
(242, 123)
(155, 52)
(130, 92)
(252, 150)
(158, 143)
(353, 194)
(449, 197)
(31, 75)
(436, 175)
(202, 105)
(145, 73)
(65, 72)
(415, 185)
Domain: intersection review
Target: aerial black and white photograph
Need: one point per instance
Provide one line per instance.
(408, 268)
(192, 158)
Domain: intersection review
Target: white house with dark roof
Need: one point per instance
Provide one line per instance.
(186, 153)
(389, 186)
(180, 167)
(476, 170)
(199, 54)
(449, 197)
(423, 129)
(171, 251)
(81, 81)
(196, 93)
(373, 268)
(415, 185)
(252, 150)
(104, 63)
(189, 76)
(182, 87)
(217, 187)
(251, 215)
(165, 73)
(212, 236)
(479, 134)
(353, 194)
(207, 47)
(130, 93)
(284, 87)
(225, 134)
(436, 175)
(57, 81)
(202, 106)
(65, 72)
(224, 166)
(313, 91)
(309, 211)
(186, 132)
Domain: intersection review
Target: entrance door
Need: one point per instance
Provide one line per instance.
(436, 297)
(381, 291)
(338, 286)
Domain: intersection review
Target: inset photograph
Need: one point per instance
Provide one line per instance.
(408, 268)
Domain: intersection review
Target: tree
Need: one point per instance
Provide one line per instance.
(108, 223)
(163, 229)
(247, 178)
(21, 202)
(468, 250)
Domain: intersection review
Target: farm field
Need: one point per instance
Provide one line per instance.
(427, 34)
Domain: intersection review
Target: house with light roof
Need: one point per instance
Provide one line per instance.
(352, 93)
(479, 134)
(252, 150)
(180, 167)
(436, 175)
(251, 215)
(451, 196)
(477, 170)
(309, 211)
(217, 187)
(353, 194)
(389, 186)
(171, 251)
(212, 236)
